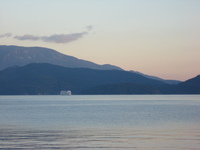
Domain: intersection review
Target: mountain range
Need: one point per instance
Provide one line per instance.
(35, 70)
(20, 56)
(42, 78)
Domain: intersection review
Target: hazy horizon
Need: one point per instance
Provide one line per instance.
(159, 38)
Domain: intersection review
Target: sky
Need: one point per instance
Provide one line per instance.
(154, 37)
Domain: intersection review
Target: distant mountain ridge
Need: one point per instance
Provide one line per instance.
(20, 56)
(43, 78)
(191, 86)
(51, 79)
(157, 78)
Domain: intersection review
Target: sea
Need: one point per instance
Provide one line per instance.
(100, 122)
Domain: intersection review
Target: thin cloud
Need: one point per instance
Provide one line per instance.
(56, 38)
(28, 37)
(5, 35)
(63, 38)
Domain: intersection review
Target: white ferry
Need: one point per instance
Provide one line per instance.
(65, 93)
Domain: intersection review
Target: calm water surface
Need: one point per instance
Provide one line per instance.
(143, 122)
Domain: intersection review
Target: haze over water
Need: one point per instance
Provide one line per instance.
(100, 122)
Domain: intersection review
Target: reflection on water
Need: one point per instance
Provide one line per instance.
(146, 122)
(141, 139)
